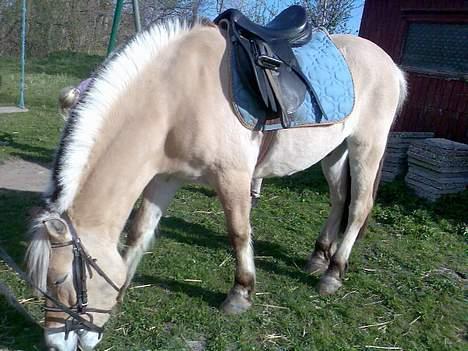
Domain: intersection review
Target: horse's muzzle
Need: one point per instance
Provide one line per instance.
(86, 340)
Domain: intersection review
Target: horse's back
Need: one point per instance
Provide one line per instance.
(207, 129)
(378, 85)
(377, 79)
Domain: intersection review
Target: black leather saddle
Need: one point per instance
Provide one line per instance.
(265, 60)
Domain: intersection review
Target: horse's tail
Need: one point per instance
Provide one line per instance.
(345, 216)
(403, 89)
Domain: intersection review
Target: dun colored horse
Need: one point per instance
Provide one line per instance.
(156, 116)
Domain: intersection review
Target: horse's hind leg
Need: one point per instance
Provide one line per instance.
(156, 198)
(365, 156)
(234, 193)
(255, 190)
(336, 171)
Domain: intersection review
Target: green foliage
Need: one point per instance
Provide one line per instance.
(404, 287)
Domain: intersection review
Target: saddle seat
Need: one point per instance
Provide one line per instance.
(290, 25)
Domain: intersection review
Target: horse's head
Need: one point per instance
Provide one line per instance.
(81, 277)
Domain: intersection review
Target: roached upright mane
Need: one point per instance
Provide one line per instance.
(82, 129)
(108, 84)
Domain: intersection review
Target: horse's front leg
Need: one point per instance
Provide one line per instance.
(155, 200)
(234, 194)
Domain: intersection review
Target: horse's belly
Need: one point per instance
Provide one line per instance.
(294, 150)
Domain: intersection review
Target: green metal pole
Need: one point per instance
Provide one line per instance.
(115, 25)
(136, 15)
(22, 55)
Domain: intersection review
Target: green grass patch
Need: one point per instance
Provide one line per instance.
(33, 135)
(404, 287)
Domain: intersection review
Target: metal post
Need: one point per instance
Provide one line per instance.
(22, 55)
(115, 25)
(136, 15)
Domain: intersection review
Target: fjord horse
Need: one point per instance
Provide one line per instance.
(157, 115)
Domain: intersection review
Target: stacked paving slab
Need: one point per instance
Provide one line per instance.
(437, 167)
(395, 162)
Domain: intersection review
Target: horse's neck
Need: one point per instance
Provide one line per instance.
(132, 145)
(118, 170)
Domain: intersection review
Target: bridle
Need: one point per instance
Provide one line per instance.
(83, 265)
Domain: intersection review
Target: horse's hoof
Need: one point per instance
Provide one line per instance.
(328, 285)
(235, 304)
(316, 266)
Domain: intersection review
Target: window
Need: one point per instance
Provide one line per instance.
(437, 48)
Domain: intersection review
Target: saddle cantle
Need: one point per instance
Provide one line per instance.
(290, 25)
(265, 61)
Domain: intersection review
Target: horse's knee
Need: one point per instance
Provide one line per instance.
(239, 239)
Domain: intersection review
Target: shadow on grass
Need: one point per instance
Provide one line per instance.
(292, 267)
(212, 298)
(16, 333)
(15, 207)
(196, 234)
(25, 151)
(310, 179)
(449, 207)
(201, 190)
(192, 234)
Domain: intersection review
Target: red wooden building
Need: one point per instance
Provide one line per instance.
(429, 40)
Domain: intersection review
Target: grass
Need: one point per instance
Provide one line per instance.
(403, 289)
(33, 135)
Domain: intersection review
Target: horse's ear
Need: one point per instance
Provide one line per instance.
(57, 229)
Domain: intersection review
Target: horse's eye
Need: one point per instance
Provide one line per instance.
(60, 281)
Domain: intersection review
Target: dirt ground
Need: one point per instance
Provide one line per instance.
(21, 175)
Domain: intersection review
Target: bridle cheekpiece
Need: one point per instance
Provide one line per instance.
(83, 266)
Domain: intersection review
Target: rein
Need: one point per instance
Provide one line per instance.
(82, 264)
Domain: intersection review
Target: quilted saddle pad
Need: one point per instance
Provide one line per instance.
(331, 101)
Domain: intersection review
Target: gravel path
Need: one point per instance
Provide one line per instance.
(23, 175)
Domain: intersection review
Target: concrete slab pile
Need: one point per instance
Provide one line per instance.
(437, 167)
(395, 162)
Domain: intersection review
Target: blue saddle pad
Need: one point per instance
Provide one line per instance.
(328, 73)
